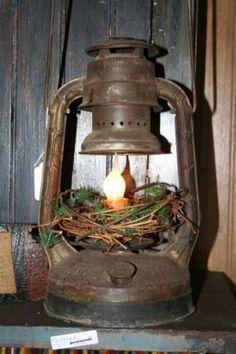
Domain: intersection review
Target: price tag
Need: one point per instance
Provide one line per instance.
(74, 340)
(38, 173)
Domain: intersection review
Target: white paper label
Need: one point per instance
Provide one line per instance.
(74, 340)
(38, 174)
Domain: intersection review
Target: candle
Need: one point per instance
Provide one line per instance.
(114, 188)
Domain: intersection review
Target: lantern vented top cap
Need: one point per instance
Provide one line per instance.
(116, 43)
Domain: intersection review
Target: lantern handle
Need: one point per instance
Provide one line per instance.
(55, 145)
(185, 238)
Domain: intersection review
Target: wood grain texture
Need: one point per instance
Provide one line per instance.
(30, 114)
(216, 119)
(131, 18)
(231, 265)
(6, 109)
(89, 24)
(170, 32)
(33, 28)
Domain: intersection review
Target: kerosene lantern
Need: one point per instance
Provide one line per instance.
(120, 287)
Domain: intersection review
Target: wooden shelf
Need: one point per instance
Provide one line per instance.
(211, 329)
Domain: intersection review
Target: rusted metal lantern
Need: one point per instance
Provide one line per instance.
(120, 289)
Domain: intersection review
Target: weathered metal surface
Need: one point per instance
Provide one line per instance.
(86, 277)
(55, 144)
(186, 237)
(57, 253)
(119, 314)
(211, 329)
(120, 91)
(107, 70)
(121, 129)
(81, 288)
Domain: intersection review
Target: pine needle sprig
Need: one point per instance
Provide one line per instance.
(49, 237)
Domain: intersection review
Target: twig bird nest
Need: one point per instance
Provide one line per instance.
(83, 214)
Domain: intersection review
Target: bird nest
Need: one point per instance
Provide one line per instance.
(83, 217)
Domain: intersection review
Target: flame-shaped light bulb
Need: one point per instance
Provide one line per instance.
(114, 187)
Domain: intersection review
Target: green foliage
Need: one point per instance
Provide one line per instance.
(82, 196)
(122, 213)
(156, 191)
(146, 211)
(164, 211)
(48, 237)
(97, 209)
(128, 231)
(60, 211)
(167, 222)
(116, 215)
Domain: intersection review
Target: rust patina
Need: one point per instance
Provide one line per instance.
(127, 289)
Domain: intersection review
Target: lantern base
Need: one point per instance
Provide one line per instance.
(119, 315)
(123, 290)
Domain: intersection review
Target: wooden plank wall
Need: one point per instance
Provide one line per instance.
(7, 79)
(23, 62)
(216, 133)
(76, 25)
(25, 27)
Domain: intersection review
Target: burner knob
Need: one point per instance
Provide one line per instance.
(121, 272)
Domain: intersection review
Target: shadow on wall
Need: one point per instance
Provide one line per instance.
(205, 146)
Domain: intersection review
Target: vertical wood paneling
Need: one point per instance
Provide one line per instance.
(6, 113)
(55, 58)
(89, 24)
(216, 137)
(231, 266)
(170, 32)
(131, 18)
(33, 29)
